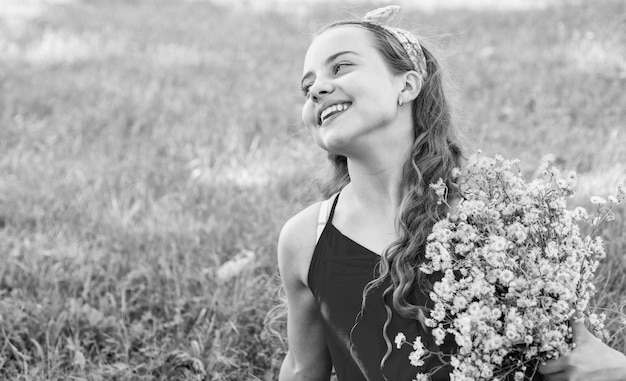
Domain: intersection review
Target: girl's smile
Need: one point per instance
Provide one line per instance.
(331, 110)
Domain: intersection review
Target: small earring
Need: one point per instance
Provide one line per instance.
(399, 101)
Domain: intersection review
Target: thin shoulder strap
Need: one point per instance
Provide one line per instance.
(332, 210)
(322, 219)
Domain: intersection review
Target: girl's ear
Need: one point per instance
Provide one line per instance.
(412, 86)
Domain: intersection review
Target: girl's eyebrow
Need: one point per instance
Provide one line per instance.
(328, 60)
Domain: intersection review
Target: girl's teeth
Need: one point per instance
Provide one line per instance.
(332, 109)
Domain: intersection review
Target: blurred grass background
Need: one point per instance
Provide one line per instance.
(143, 144)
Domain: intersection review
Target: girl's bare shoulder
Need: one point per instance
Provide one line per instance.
(297, 241)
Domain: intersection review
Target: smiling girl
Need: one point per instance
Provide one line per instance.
(382, 116)
(374, 100)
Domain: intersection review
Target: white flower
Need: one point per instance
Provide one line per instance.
(596, 200)
(456, 172)
(416, 358)
(511, 333)
(486, 372)
(464, 324)
(440, 189)
(493, 343)
(595, 319)
(459, 302)
(552, 250)
(400, 339)
(454, 361)
(438, 315)
(439, 335)
(417, 344)
(498, 243)
(463, 341)
(474, 308)
(517, 232)
(506, 276)
(496, 313)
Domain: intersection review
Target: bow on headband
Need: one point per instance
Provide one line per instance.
(408, 41)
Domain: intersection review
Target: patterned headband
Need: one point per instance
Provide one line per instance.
(407, 39)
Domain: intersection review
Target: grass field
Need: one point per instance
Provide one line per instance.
(145, 143)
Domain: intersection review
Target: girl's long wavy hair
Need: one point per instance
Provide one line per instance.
(437, 149)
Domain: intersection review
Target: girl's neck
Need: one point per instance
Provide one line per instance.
(376, 182)
(376, 167)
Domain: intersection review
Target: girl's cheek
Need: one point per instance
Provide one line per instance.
(307, 114)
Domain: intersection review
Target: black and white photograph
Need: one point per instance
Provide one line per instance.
(319, 190)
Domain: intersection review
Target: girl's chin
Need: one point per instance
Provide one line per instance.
(336, 141)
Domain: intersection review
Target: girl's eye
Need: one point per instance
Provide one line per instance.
(305, 90)
(337, 67)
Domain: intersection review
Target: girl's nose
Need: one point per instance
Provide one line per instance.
(320, 89)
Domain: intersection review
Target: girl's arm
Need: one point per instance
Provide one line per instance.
(591, 360)
(308, 357)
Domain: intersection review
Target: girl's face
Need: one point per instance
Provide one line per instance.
(350, 91)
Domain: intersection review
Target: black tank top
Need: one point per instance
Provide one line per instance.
(340, 268)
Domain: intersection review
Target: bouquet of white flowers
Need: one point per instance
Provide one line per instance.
(514, 267)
